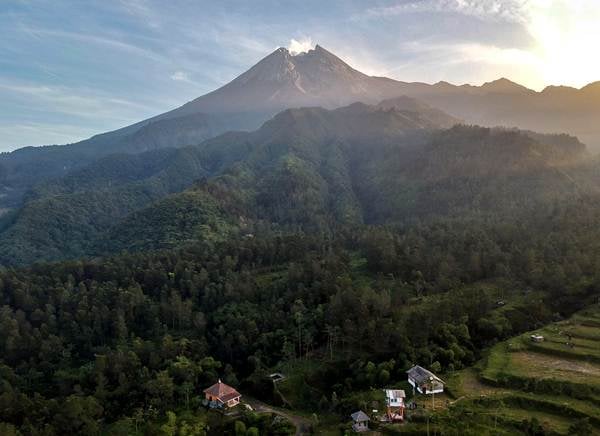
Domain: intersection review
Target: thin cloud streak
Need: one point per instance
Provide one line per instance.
(509, 10)
(73, 102)
(97, 39)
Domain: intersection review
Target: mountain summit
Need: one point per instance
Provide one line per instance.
(505, 86)
(283, 80)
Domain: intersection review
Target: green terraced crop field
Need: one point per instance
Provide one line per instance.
(556, 381)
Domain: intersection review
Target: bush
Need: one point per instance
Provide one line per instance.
(581, 428)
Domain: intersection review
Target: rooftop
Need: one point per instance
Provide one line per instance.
(422, 375)
(360, 416)
(395, 393)
(222, 391)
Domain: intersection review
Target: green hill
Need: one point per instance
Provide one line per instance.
(63, 218)
(310, 169)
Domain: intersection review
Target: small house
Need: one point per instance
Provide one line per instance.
(221, 395)
(394, 400)
(425, 381)
(276, 377)
(537, 338)
(360, 421)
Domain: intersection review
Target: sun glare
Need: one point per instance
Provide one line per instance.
(568, 41)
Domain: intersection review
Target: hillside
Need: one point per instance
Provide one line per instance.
(317, 78)
(82, 206)
(462, 171)
(556, 382)
(310, 168)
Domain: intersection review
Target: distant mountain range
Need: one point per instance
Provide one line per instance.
(316, 78)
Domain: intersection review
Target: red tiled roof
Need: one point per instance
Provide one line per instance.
(222, 391)
(230, 396)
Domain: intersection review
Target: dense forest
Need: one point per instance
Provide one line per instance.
(129, 338)
(362, 238)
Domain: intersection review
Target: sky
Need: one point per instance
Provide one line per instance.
(70, 69)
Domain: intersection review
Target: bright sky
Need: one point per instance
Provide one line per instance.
(70, 68)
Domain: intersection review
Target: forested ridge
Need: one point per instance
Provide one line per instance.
(309, 169)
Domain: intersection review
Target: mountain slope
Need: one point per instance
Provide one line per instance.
(282, 80)
(277, 82)
(319, 185)
(430, 115)
(311, 169)
(317, 78)
(57, 218)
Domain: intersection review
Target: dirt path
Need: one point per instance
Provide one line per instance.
(301, 423)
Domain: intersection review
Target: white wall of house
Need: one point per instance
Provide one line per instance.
(233, 402)
(426, 391)
(434, 391)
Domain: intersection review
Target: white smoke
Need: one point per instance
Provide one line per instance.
(304, 45)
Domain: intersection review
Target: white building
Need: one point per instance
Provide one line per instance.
(425, 381)
(394, 400)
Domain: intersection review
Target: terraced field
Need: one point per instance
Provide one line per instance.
(556, 381)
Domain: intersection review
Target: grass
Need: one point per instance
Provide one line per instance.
(583, 332)
(519, 379)
(578, 351)
(547, 366)
(517, 415)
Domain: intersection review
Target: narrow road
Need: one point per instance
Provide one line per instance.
(301, 423)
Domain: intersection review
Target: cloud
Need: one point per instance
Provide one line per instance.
(505, 10)
(36, 114)
(295, 47)
(141, 10)
(463, 62)
(180, 76)
(80, 103)
(85, 38)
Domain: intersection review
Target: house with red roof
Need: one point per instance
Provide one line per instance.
(222, 395)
